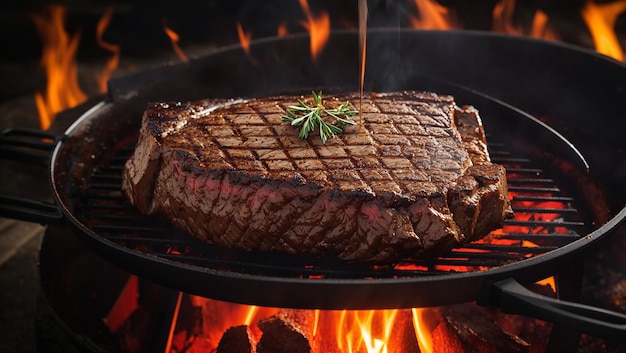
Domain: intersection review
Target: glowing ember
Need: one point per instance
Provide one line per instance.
(58, 60)
(219, 316)
(318, 28)
(113, 61)
(433, 16)
(600, 18)
(503, 22)
(174, 38)
(124, 306)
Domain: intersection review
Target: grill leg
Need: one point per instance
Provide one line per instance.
(569, 287)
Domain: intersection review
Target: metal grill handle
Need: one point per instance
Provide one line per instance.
(30, 210)
(513, 298)
(28, 145)
(33, 147)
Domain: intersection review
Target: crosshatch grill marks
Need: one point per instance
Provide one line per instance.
(306, 156)
(403, 140)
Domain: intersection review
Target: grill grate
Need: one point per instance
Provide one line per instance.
(545, 219)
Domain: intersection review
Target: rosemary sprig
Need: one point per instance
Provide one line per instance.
(311, 117)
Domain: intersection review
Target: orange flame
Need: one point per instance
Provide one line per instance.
(550, 281)
(503, 22)
(541, 28)
(113, 61)
(174, 38)
(364, 331)
(318, 27)
(282, 30)
(433, 16)
(422, 330)
(244, 38)
(600, 18)
(58, 60)
(250, 315)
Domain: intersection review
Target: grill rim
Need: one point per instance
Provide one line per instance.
(185, 277)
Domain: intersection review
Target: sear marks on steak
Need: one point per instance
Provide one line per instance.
(413, 180)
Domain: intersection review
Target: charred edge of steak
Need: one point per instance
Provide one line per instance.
(479, 199)
(250, 199)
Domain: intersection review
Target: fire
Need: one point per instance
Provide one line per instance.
(550, 281)
(113, 61)
(125, 304)
(341, 331)
(282, 30)
(174, 38)
(59, 61)
(364, 331)
(541, 28)
(600, 18)
(250, 315)
(422, 330)
(433, 16)
(244, 38)
(318, 28)
(219, 316)
(503, 22)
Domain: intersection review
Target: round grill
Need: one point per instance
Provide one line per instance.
(553, 220)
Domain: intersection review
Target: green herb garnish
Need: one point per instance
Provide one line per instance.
(311, 117)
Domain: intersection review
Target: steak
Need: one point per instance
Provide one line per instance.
(411, 180)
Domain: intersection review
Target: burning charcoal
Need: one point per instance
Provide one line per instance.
(289, 331)
(237, 339)
(464, 329)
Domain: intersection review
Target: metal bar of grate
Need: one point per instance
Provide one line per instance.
(551, 237)
(534, 189)
(531, 181)
(523, 170)
(543, 198)
(510, 160)
(544, 210)
(539, 223)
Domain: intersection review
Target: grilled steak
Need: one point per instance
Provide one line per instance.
(413, 180)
